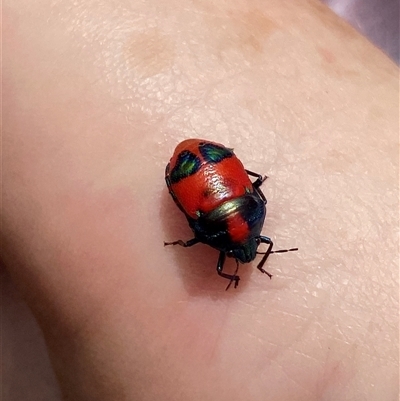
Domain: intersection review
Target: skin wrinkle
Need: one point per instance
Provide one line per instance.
(298, 383)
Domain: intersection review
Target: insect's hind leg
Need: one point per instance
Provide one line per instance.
(257, 183)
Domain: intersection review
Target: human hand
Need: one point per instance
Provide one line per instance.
(97, 96)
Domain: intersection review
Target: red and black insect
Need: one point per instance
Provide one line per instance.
(223, 207)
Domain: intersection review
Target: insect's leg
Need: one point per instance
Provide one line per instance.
(265, 240)
(260, 178)
(182, 243)
(257, 183)
(220, 266)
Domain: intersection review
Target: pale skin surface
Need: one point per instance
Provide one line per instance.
(96, 97)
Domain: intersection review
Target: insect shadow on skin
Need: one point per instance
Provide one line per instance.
(223, 207)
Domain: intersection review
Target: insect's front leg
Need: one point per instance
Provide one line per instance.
(220, 267)
(265, 240)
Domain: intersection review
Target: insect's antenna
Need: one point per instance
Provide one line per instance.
(280, 251)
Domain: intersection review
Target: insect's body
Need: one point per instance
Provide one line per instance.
(223, 207)
(202, 175)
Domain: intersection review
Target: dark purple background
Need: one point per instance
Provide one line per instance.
(378, 20)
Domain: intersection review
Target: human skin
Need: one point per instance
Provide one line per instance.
(96, 96)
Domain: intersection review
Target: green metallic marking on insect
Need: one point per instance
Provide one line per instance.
(214, 153)
(187, 164)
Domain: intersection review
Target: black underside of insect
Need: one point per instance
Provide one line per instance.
(212, 229)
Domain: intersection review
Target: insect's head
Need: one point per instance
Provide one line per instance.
(244, 253)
